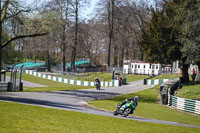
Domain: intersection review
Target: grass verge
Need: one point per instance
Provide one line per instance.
(190, 91)
(131, 78)
(149, 108)
(18, 118)
(167, 76)
(102, 76)
(52, 85)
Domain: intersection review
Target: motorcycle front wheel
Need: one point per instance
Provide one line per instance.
(126, 112)
(97, 87)
(115, 112)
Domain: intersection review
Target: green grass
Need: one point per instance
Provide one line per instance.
(131, 78)
(167, 76)
(55, 86)
(190, 91)
(89, 76)
(18, 118)
(149, 107)
(52, 85)
(103, 77)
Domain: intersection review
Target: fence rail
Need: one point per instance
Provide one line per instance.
(155, 82)
(70, 81)
(192, 106)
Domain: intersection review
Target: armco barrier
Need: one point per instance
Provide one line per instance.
(192, 106)
(155, 82)
(70, 81)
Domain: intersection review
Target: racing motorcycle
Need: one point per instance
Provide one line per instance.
(125, 109)
(97, 85)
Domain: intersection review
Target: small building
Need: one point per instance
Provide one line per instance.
(143, 68)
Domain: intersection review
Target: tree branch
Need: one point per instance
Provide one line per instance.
(17, 13)
(5, 6)
(21, 36)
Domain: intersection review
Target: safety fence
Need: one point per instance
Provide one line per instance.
(13, 82)
(70, 81)
(155, 81)
(192, 106)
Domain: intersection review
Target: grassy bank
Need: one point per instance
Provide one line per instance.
(167, 76)
(190, 91)
(102, 76)
(18, 118)
(52, 85)
(149, 107)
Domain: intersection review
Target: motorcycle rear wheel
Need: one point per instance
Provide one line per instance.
(126, 112)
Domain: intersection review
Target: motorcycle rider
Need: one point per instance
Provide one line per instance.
(96, 80)
(128, 100)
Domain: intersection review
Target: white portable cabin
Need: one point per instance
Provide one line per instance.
(126, 68)
(143, 68)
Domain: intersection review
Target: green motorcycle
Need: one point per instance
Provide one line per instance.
(125, 109)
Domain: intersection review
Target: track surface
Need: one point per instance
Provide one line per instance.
(76, 100)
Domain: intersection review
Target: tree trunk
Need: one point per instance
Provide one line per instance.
(115, 55)
(110, 36)
(185, 74)
(0, 38)
(198, 64)
(121, 58)
(73, 58)
(63, 58)
(127, 52)
(48, 61)
(111, 27)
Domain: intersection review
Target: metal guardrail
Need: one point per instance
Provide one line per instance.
(3, 76)
(192, 106)
(15, 83)
(155, 82)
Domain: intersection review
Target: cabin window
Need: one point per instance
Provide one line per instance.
(135, 65)
(144, 66)
(138, 66)
(153, 66)
(132, 66)
(150, 66)
(156, 66)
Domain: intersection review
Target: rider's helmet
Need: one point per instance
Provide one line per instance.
(136, 98)
(129, 99)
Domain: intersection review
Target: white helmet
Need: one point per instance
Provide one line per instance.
(136, 98)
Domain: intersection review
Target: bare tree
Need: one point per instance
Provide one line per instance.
(76, 4)
(62, 23)
(11, 10)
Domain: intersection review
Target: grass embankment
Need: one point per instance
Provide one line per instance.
(131, 78)
(55, 86)
(149, 107)
(167, 76)
(18, 118)
(52, 85)
(190, 91)
(102, 76)
(89, 76)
